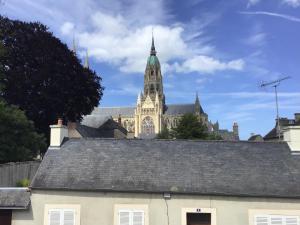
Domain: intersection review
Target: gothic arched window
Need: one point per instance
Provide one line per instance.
(148, 126)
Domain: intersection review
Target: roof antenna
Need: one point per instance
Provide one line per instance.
(275, 84)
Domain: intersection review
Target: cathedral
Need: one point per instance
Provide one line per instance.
(151, 113)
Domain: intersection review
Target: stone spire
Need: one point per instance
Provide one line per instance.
(153, 51)
(197, 105)
(86, 60)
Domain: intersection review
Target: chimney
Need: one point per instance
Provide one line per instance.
(291, 134)
(58, 133)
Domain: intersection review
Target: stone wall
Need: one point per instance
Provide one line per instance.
(11, 173)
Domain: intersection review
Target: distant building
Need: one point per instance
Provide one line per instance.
(272, 135)
(97, 127)
(256, 137)
(151, 113)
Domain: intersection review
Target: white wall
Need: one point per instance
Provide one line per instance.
(98, 208)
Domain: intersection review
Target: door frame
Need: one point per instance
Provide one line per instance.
(212, 211)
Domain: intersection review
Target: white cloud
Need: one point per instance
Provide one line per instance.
(283, 16)
(119, 32)
(256, 39)
(112, 40)
(205, 64)
(67, 28)
(293, 3)
(252, 2)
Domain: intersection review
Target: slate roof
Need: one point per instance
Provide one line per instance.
(180, 109)
(172, 109)
(105, 129)
(155, 166)
(14, 198)
(114, 111)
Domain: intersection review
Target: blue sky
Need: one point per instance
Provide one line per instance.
(222, 49)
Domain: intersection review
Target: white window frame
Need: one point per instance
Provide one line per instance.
(61, 208)
(212, 211)
(131, 211)
(254, 213)
(131, 208)
(269, 217)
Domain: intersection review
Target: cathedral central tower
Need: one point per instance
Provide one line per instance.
(150, 104)
(152, 78)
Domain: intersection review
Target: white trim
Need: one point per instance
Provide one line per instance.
(131, 208)
(254, 213)
(62, 208)
(212, 211)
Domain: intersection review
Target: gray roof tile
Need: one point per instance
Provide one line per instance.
(195, 167)
(14, 198)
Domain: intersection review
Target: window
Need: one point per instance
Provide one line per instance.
(131, 214)
(274, 217)
(276, 220)
(62, 215)
(148, 126)
(131, 217)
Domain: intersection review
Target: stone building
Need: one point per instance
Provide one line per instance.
(276, 134)
(151, 112)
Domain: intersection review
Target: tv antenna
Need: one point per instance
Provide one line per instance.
(275, 84)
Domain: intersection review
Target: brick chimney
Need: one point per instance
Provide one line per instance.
(291, 134)
(58, 133)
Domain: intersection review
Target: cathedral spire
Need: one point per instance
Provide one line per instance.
(197, 102)
(152, 52)
(197, 105)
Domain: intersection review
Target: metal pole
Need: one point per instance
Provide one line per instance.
(277, 113)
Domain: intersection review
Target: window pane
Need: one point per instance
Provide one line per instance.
(261, 220)
(276, 220)
(54, 217)
(68, 217)
(123, 218)
(138, 218)
(292, 220)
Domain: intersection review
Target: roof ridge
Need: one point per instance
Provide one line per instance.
(182, 140)
(115, 107)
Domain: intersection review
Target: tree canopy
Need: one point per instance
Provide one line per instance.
(43, 77)
(18, 139)
(189, 127)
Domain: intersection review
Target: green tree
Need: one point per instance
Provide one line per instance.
(214, 136)
(18, 139)
(189, 127)
(43, 77)
(164, 134)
